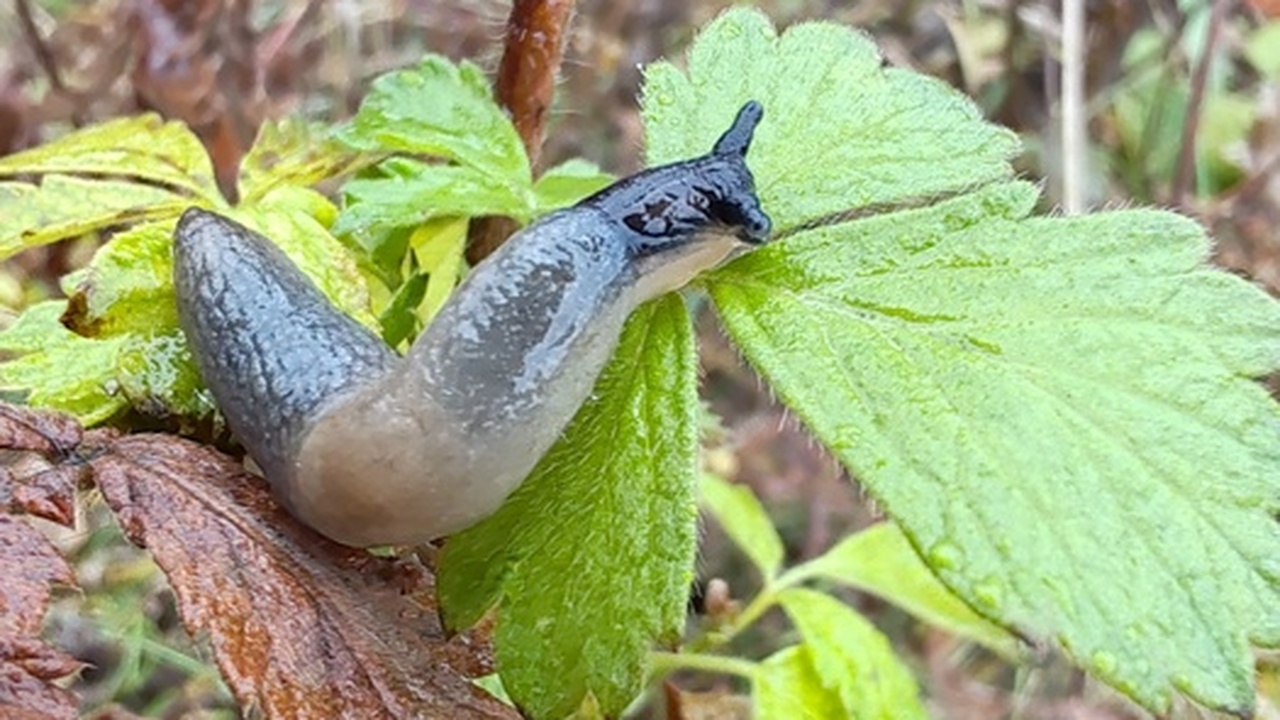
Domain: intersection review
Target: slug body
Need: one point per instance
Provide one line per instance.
(371, 449)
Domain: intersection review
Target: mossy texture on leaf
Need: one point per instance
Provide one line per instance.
(1059, 412)
(592, 556)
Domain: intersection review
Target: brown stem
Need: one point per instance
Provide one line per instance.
(1185, 175)
(526, 85)
(43, 55)
(530, 65)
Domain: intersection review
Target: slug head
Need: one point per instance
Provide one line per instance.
(670, 210)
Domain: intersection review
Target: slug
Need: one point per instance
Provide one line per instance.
(369, 448)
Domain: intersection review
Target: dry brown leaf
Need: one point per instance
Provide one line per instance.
(301, 627)
(29, 564)
(47, 433)
(39, 474)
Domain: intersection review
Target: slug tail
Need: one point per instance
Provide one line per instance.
(270, 346)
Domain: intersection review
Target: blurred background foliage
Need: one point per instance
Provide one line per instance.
(1181, 108)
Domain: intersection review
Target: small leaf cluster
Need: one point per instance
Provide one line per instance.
(843, 666)
(115, 344)
(455, 156)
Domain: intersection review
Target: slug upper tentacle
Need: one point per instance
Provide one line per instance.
(371, 449)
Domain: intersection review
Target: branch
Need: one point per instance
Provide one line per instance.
(526, 86)
(1185, 174)
(43, 55)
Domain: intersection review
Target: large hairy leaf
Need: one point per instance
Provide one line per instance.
(1059, 412)
(592, 556)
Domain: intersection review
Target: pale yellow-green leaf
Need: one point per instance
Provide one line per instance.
(57, 369)
(881, 561)
(787, 687)
(744, 520)
(852, 659)
(62, 207)
(143, 146)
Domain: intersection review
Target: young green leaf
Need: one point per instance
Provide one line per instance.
(852, 659)
(567, 183)
(62, 207)
(58, 369)
(881, 561)
(443, 110)
(840, 130)
(129, 285)
(592, 556)
(745, 521)
(293, 153)
(419, 192)
(787, 687)
(144, 147)
(439, 249)
(1057, 411)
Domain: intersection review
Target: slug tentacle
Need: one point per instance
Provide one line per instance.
(371, 449)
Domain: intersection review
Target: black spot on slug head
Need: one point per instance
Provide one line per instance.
(669, 206)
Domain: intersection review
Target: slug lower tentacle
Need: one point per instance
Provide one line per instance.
(371, 449)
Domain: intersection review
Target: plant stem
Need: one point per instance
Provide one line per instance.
(525, 86)
(665, 663)
(1184, 177)
(1075, 147)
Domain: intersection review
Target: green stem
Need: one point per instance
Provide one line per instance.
(665, 663)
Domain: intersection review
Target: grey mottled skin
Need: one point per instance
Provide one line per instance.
(271, 348)
(371, 450)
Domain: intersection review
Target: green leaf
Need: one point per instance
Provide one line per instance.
(292, 152)
(433, 191)
(1262, 49)
(745, 521)
(399, 321)
(289, 220)
(881, 561)
(129, 285)
(444, 110)
(127, 297)
(787, 687)
(852, 659)
(1058, 411)
(159, 376)
(840, 130)
(592, 556)
(439, 249)
(142, 147)
(62, 207)
(57, 369)
(567, 183)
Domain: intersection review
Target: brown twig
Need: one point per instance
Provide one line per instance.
(530, 65)
(1185, 174)
(43, 55)
(526, 84)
